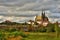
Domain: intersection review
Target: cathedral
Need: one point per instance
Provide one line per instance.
(42, 20)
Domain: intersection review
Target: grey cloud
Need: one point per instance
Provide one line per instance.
(15, 2)
(28, 5)
(18, 15)
(26, 19)
(36, 5)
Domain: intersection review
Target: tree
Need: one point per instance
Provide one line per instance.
(50, 28)
(56, 29)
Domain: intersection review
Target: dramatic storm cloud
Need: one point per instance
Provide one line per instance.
(24, 10)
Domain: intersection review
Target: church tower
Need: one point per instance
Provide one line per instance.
(41, 19)
(43, 15)
(38, 18)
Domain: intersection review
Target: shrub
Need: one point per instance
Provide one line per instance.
(10, 30)
(43, 29)
(51, 28)
(18, 33)
(4, 35)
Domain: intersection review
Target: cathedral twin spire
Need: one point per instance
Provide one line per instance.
(43, 14)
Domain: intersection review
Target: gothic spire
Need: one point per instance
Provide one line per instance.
(44, 13)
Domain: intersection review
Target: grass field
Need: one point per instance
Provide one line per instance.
(17, 35)
(42, 36)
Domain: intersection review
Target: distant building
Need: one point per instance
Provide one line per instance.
(30, 22)
(43, 19)
(40, 20)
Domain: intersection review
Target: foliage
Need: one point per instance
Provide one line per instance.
(51, 28)
(6, 34)
(43, 36)
(10, 30)
(42, 29)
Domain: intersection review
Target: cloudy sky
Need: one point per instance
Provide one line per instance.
(24, 10)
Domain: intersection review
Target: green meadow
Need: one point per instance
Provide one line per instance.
(6, 35)
(29, 36)
(42, 36)
(50, 32)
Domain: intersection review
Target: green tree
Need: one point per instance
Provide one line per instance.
(56, 29)
(50, 28)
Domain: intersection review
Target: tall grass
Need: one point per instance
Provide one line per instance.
(5, 34)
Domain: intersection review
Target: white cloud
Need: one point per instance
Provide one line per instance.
(23, 10)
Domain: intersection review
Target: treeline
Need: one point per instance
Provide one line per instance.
(24, 26)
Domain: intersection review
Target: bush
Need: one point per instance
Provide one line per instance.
(51, 28)
(4, 35)
(10, 30)
(18, 33)
(42, 29)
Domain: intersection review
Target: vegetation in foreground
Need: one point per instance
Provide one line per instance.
(17, 35)
(42, 37)
(42, 34)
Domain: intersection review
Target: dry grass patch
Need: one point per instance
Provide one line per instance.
(15, 38)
